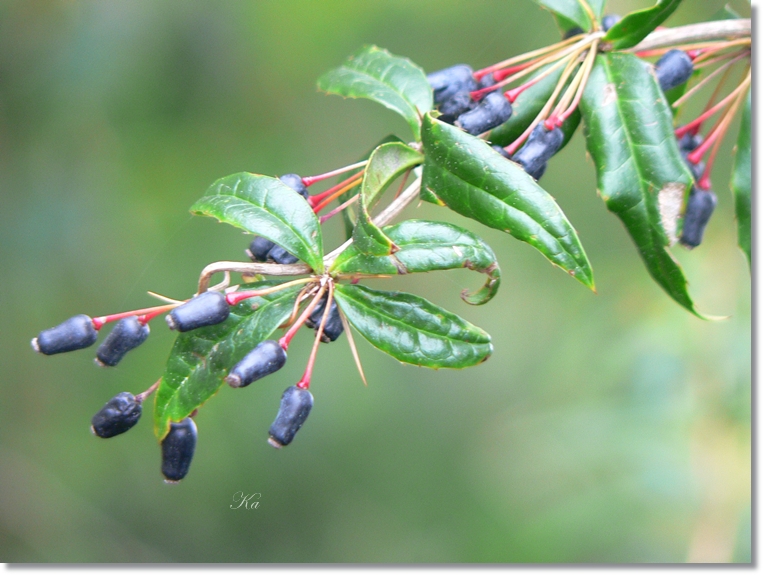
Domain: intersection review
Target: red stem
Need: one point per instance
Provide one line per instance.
(289, 335)
(304, 383)
(318, 198)
(339, 208)
(150, 312)
(683, 130)
(310, 180)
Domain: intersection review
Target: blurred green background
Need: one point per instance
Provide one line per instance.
(606, 428)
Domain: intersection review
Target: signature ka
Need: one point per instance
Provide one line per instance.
(242, 500)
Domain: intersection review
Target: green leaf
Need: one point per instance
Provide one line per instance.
(567, 11)
(269, 208)
(741, 180)
(527, 106)
(640, 173)
(200, 359)
(428, 246)
(387, 162)
(475, 181)
(637, 25)
(413, 330)
(394, 82)
(597, 6)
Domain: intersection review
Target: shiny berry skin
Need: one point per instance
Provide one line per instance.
(492, 111)
(449, 81)
(128, 334)
(259, 248)
(314, 319)
(541, 145)
(268, 357)
(610, 20)
(690, 142)
(119, 414)
(77, 332)
(673, 69)
(454, 106)
(487, 80)
(295, 183)
(209, 308)
(296, 404)
(177, 450)
(333, 327)
(699, 208)
(281, 256)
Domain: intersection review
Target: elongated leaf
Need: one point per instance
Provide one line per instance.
(394, 82)
(473, 180)
(597, 6)
(639, 169)
(413, 330)
(386, 163)
(200, 359)
(267, 207)
(741, 180)
(637, 25)
(525, 109)
(428, 246)
(567, 11)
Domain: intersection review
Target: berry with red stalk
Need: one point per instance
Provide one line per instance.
(120, 414)
(208, 308)
(75, 333)
(128, 334)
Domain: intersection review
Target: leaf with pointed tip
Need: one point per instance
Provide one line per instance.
(412, 329)
(387, 162)
(200, 359)
(741, 180)
(269, 208)
(395, 82)
(566, 12)
(640, 173)
(636, 26)
(428, 246)
(475, 181)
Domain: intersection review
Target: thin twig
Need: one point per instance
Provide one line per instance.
(353, 347)
(705, 31)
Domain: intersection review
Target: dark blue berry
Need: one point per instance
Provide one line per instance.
(501, 151)
(296, 404)
(454, 106)
(487, 80)
(333, 327)
(209, 308)
(295, 183)
(119, 414)
(314, 319)
(268, 357)
(610, 20)
(699, 208)
(673, 69)
(259, 248)
(492, 111)
(449, 81)
(573, 32)
(177, 450)
(75, 333)
(128, 334)
(696, 169)
(541, 145)
(690, 142)
(281, 256)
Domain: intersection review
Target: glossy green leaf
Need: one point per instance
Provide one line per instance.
(567, 11)
(637, 25)
(412, 329)
(394, 82)
(472, 179)
(428, 246)
(741, 180)
(269, 208)
(387, 162)
(597, 6)
(640, 173)
(200, 359)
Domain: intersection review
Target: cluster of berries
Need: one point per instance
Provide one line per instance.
(123, 411)
(674, 69)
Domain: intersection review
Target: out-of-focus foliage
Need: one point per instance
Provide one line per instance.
(609, 427)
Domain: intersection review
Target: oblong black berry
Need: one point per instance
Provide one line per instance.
(699, 208)
(281, 256)
(296, 404)
(487, 80)
(673, 69)
(128, 334)
(610, 20)
(572, 32)
(295, 182)
(492, 111)
(314, 319)
(75, 333)
(454, 106)
(690, 142)
(541, 145)
(209, 308)
(259, 248)
(268, 357)
(119, 414)
(333, 327)
(448, 81)
(696, 169)
(177, 450)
